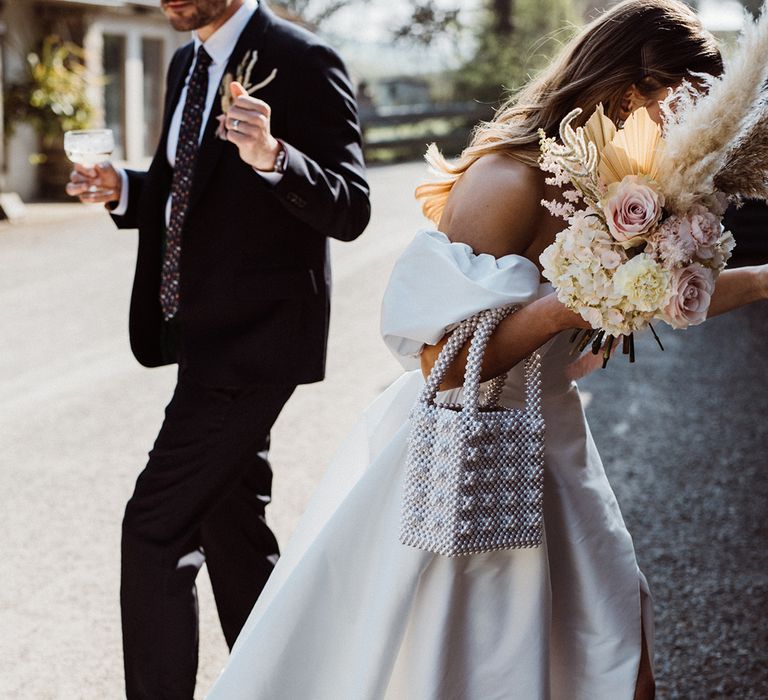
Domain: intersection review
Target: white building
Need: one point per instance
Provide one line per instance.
(128, 46)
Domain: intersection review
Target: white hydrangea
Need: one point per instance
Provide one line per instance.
(581, 264)
(643, 282)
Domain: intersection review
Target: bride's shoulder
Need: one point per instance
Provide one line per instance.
(495, 206)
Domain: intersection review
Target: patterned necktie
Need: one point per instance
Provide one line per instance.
(186, 156)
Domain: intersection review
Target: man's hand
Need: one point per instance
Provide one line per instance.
(103, 175)
(247, 125)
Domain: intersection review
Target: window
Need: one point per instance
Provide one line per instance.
(114, 90)
(132, 54)
(153, 71)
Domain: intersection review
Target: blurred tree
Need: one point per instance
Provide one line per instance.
(427, 22)
(311, 13)
(52, 96)
(501, 15)
(753, 6)
(513, 39)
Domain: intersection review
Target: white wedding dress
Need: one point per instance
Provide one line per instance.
(351, 614)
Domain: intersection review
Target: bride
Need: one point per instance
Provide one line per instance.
(352, 614)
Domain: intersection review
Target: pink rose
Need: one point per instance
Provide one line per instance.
(680, 239)
(669, 245)
(699, 232)
(691, 292)
(632, 208)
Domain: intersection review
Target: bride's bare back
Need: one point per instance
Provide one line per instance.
(495, 208)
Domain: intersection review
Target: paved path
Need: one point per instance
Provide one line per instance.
(684, 438)
(77, 416)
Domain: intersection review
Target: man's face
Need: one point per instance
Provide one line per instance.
(186, 15)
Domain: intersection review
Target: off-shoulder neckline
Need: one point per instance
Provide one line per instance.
(472, 251)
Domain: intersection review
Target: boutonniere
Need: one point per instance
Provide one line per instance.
(242, 76)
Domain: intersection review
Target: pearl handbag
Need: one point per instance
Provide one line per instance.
(474, 472)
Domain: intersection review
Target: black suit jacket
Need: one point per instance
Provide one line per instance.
(254, 270)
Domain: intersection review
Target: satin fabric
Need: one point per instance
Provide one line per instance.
(351, 614)
(436, 284)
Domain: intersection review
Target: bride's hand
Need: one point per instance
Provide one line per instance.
(763, 281)
(561, 317)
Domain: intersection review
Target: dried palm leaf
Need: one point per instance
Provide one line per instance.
(599, 129)
(636, 149)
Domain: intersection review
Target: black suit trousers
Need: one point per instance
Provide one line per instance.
(201, 498)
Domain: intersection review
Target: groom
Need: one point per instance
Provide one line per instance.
(232, 282)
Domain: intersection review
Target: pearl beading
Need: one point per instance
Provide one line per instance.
(474, 471)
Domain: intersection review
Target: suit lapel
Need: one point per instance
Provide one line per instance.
(175, 84)
(211, 146)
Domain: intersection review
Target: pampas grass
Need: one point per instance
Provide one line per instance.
(745, 173)
(701, 130)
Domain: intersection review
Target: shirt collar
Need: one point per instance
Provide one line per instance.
(221, 43)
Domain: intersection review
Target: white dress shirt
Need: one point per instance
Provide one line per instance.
(219, 47)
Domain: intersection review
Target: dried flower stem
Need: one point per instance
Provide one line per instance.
(598, 342)
(243, 76)
(607, 349)
(658, 340)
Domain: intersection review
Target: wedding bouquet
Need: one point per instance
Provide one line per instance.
(644, 204)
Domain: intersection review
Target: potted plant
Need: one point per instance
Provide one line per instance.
(53, 99)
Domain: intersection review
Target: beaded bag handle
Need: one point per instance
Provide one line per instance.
(479, 328)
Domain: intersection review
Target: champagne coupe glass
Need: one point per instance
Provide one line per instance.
(89, 147)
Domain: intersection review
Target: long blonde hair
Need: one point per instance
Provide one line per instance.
(646, 43)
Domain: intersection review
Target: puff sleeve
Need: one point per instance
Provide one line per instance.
(436, 283)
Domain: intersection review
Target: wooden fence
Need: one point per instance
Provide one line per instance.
(403, 133)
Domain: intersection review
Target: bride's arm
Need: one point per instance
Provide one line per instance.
(739, 287)
(495, 208)
(516, 337)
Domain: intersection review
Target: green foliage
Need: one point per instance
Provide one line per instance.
(510, 49)
(53, 97)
